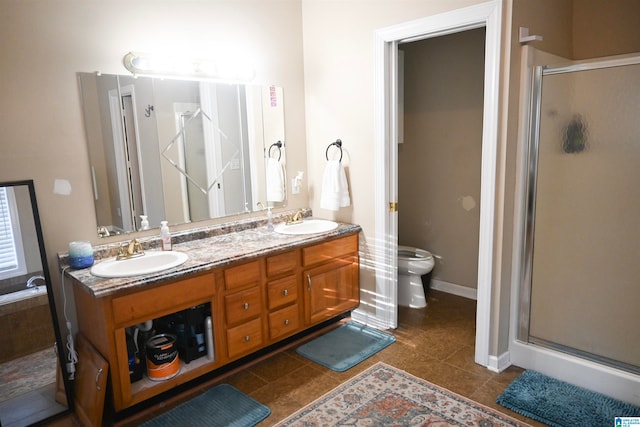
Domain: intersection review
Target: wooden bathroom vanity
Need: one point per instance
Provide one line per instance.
(259, 288)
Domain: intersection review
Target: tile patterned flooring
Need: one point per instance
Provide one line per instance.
(436, 343)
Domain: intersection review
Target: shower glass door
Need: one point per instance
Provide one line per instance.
(582, 252)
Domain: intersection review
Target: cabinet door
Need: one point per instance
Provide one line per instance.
(331, 289)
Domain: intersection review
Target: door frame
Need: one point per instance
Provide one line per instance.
(488, 15)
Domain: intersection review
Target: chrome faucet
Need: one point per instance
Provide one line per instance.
(130, 250)
(32, 279)
(103, 231)
(295, 218)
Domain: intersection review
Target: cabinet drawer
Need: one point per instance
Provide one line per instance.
(244, 338)
(143, 305)
(282, 292)
(328, 250)
(284, 322)
(282, 263)
(243, 305)
(242, 275)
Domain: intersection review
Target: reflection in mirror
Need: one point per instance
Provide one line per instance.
(30, 388)
(180, 150)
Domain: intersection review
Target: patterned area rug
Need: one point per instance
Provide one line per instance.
(27, 373)
(385, 396)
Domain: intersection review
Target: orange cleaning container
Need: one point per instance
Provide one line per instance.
(162, 357)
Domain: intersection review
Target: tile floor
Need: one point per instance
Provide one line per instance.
(436, 343)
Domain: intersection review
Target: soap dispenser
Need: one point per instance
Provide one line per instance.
(144, 222)
(165, 236)
(269, 219)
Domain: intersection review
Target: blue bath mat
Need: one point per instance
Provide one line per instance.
(560, 404)
(223, 405)
(346, 346)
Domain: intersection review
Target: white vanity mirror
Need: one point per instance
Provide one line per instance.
(180, 150)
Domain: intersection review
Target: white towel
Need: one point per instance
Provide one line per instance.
(335, 190)
(275, 181)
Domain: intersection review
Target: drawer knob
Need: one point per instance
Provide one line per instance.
(247, 338)
(246, 306)
(285, 292)
(286, 322)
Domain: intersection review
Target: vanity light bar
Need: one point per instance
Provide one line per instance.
(140, 64)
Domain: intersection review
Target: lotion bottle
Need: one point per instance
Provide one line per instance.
(165, 236)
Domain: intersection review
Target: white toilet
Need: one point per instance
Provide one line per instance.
(412, 264)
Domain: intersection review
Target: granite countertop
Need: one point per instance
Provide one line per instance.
(206, 254)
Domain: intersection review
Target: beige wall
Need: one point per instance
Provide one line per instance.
(44, 45)
(339, 64)
(567, 27)
(440, 161)
(339, 94)
(604, 28)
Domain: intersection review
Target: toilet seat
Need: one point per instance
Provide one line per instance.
(413, 254)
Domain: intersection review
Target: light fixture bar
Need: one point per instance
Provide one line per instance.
(140, 64)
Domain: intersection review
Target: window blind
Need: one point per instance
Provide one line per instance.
(8, 252)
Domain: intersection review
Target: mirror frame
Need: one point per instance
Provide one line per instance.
(60, 350)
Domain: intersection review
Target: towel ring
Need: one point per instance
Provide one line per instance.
(278, 145)
(338, 144)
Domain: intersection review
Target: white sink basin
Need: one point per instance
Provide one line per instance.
(308, 226)
(150, 262)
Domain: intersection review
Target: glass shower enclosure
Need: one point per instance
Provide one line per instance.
(581, 272)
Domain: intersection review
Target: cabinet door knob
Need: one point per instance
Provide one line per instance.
(285, 292)
(309, 282)
(247, 338)
(286, 322)
(246, 306)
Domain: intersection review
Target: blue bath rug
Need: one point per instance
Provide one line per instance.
(223, 405)
(560, 404)
(346, 346)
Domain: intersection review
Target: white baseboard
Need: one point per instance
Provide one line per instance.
(499, 363)
(451, 288)
(584, 373)
(368, 319)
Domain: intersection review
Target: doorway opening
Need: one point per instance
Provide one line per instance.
(439, 156)
(487, 15)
